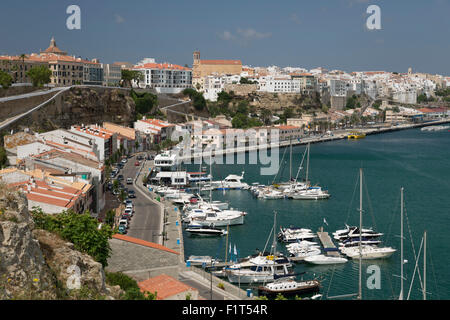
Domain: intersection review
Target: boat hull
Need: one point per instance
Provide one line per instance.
(310, 287)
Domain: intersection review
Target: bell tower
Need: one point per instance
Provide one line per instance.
(196, 65)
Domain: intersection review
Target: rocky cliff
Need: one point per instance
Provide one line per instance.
(36, 264)
(81, 105)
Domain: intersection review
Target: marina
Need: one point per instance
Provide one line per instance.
(336, 210)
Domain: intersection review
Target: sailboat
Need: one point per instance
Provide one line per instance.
(262, 268)
(304, 190)
(363, 251)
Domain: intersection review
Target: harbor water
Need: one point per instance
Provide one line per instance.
(415, 160)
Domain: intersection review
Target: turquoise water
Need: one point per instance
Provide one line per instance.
(418, 161)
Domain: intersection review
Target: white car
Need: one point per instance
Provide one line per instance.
(124, 222)
(124, 161)
(128, 211)
(129, 181)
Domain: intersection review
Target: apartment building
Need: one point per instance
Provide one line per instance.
(157, 129)
(17, 67)
(112, 74)
(105, 141)
(165, 77)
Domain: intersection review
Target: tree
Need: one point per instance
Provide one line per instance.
(3, 158)
(5, 79)
(23, 57)
(145, 102)
(129, 285)
(246, 81)
(128, 76)
(39, 75)
(266, 116)
(80, 229)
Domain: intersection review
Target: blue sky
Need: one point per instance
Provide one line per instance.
(327, 33)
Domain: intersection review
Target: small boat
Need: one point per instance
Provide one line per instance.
(219, 218)
(205, 231)
(356, 135)
(323, 259)
(293, 234)
(368, 252)
(231, 182)
(271, 194)
(200, 260)
(353, 233)
(259, 269)
(289, 288)
(312, 193)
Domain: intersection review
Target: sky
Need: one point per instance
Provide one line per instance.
(314, 33)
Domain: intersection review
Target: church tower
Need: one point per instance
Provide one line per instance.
(196, 65)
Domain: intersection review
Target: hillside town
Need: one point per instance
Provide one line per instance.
(100, 167)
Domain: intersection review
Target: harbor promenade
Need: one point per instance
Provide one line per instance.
(171, 236)
(337, 135)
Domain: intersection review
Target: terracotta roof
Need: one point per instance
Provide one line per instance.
(234, 62)
(143, 243)
(164, 285)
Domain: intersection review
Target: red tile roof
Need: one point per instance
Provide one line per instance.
(234, 62)
(143, 243)
(165, 286)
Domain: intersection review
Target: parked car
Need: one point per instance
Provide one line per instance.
(120, 177)
(137, 163)
(127, 202)
(124, 160)
(129, 181)
(123, 222)
(131, 194)
(130, 207)
(122, 229)
(128, 212)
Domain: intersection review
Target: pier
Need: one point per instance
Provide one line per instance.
(328, 245)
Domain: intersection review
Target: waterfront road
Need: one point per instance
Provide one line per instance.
(146, 221)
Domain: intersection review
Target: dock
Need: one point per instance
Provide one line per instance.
(328, 245)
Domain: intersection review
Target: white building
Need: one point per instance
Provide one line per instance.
(165, 77)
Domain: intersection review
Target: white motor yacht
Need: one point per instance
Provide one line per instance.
(368, 252)
(323, 259)
(230, 182)
(312, 193)
(259, 269)
(219, 218)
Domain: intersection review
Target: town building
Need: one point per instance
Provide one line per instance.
(49, 192)
(203, 68)
(165, 77)
(168, 288)
(157, 130)
(112, 74)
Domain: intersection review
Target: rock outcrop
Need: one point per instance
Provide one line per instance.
(24, 273)
(37, 264)
(81, 106)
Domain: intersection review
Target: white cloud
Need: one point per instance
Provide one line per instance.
(295, 18)
(226, 35)
(243, 36)
(252, 34)
(118, 18)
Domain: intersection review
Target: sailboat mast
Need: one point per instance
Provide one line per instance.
(307, 164)
(226, 244)
(425, 265)
(290, 161)
(360, 233)
(274, 245)
(401, 246)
